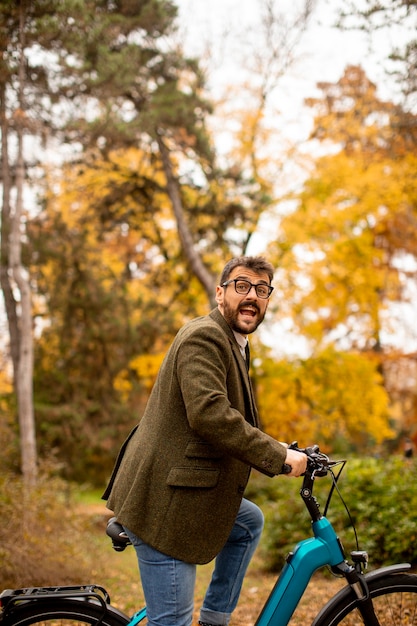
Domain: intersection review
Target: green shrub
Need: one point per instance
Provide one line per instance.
(381, 496)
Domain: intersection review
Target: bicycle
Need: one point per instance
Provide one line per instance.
(380, 597)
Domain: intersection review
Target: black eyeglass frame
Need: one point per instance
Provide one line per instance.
(244, 280)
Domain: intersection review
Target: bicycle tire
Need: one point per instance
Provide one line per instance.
(64, 612)
(394, 598)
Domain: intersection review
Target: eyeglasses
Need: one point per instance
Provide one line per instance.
(243, 287)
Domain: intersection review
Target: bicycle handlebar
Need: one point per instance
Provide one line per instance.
(317, 462)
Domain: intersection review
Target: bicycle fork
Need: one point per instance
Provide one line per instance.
(358, 584)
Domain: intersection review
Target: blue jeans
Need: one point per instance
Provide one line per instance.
(168, 584)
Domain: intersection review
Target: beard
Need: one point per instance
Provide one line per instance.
(231, 316)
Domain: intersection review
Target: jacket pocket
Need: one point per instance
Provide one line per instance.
(195, 477)
(202, 450)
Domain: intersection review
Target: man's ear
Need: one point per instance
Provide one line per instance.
(219, 294)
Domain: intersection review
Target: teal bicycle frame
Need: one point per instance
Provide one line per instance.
(308, 556)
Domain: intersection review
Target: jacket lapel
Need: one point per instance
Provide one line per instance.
(242, 364)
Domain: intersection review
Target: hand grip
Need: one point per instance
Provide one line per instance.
(286, 468)
(117, 534)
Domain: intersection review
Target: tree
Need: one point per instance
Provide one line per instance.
(75, 63)
(349, 249)
(355, 220)
(14, 278)
(111, 285)
(159, 88)
(170, 111)
(254, 166)
(385, 15)
(336, 399)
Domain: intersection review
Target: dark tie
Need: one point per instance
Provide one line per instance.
(247, 352)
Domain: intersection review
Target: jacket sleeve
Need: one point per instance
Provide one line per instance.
(213, 392)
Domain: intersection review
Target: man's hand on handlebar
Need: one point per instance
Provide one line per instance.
(295, 463)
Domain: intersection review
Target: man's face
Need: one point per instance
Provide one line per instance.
(243, 313)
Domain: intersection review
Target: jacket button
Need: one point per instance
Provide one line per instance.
(241, 489)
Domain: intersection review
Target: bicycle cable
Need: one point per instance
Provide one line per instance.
(334, 486)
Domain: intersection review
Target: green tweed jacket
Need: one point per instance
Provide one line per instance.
(180, 476)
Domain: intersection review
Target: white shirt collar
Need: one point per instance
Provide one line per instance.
(242, 341)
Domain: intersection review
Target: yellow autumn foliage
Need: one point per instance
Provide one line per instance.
(334, 399)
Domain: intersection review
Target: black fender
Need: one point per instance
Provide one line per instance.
(389, 569)
(370, 576)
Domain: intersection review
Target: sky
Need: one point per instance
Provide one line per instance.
(226, 27)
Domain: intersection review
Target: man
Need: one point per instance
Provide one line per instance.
(178, 483)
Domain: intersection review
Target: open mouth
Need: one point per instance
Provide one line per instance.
(248, 311)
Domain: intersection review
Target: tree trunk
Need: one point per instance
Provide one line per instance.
(194, 259)
(24, 378)
(6, 287)
(14, 277)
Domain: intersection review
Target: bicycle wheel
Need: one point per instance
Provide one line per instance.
(64, 612)
(394, 599)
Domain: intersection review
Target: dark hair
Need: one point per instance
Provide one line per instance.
(255, 263)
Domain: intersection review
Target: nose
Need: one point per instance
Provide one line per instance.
(252, 289)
